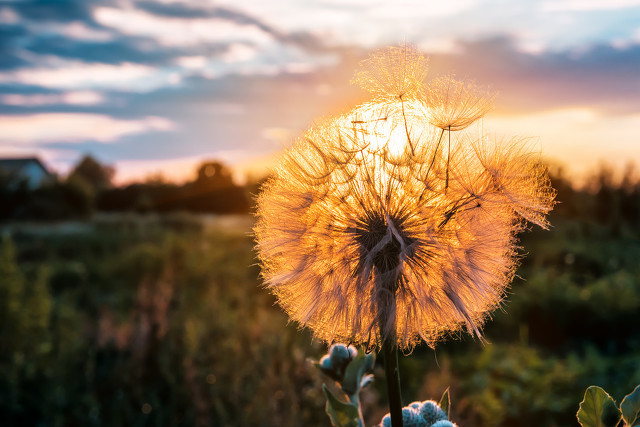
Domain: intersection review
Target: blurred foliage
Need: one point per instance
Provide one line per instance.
(154, 327)
(89, 188)
(159, 320)
(92, 173)
(213, 191)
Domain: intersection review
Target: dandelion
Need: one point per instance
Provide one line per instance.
(395, 72)
(455, 105)
(369, 234)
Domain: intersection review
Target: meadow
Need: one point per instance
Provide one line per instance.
(160, 319)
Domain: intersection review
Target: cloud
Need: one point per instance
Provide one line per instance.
(175, 31)
(115, 51)
(41, 99)
(53, 11)
(8, 16)
(204, 10)
(603, 77)
(74, 127)
(588, 5)
(197, 62)
(59, 73)
(408, 9)
(75, 30)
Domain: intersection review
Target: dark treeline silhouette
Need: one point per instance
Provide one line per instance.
(608, 198)
(89, 188)
(213, 191)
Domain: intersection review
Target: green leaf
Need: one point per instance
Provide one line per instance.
(354, 372)
(342, 414)
(445, 402)
(598, 409)
(630, 407)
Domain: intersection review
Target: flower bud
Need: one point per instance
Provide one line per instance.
(431, 412)
(353, 352)
(326, 366)
(339, 354)
(412, 418)
(386, 421)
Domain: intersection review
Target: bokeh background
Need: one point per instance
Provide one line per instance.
(134, 136)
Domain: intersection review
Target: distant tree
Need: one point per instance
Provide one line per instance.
(93, 173)
(214, 191)
(214, 174)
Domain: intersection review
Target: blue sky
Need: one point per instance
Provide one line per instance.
(158, 85)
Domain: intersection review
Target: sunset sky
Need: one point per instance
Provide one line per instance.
(153, 86)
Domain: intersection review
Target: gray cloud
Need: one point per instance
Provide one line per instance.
(603, 77)
(55, 11)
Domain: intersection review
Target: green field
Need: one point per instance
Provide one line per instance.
(161, 321)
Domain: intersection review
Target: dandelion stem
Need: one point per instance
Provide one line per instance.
(392, 373)
(390, 353)
(406, 128)
(435, 153)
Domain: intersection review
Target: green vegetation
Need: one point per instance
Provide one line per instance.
(162, 322)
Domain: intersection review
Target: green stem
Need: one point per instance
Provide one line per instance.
(355, 399)
(392, 373)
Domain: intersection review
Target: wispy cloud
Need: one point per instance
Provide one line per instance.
(174, 31)
(61, 73)
(74, 127)
(41, 99)
(75, 30)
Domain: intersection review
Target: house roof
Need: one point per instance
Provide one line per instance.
(13, 165)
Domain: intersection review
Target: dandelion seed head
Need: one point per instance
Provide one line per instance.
(393, 72)
(455, 104)
(370, 229)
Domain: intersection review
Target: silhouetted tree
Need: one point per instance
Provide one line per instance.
(214, 191)
(214, 174)
(93, 173)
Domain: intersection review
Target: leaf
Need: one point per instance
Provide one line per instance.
(354, 372)
(598, 409)
(630, 407)
(445, 402)
(342, 414)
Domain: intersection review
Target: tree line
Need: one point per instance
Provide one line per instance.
(89, 188)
